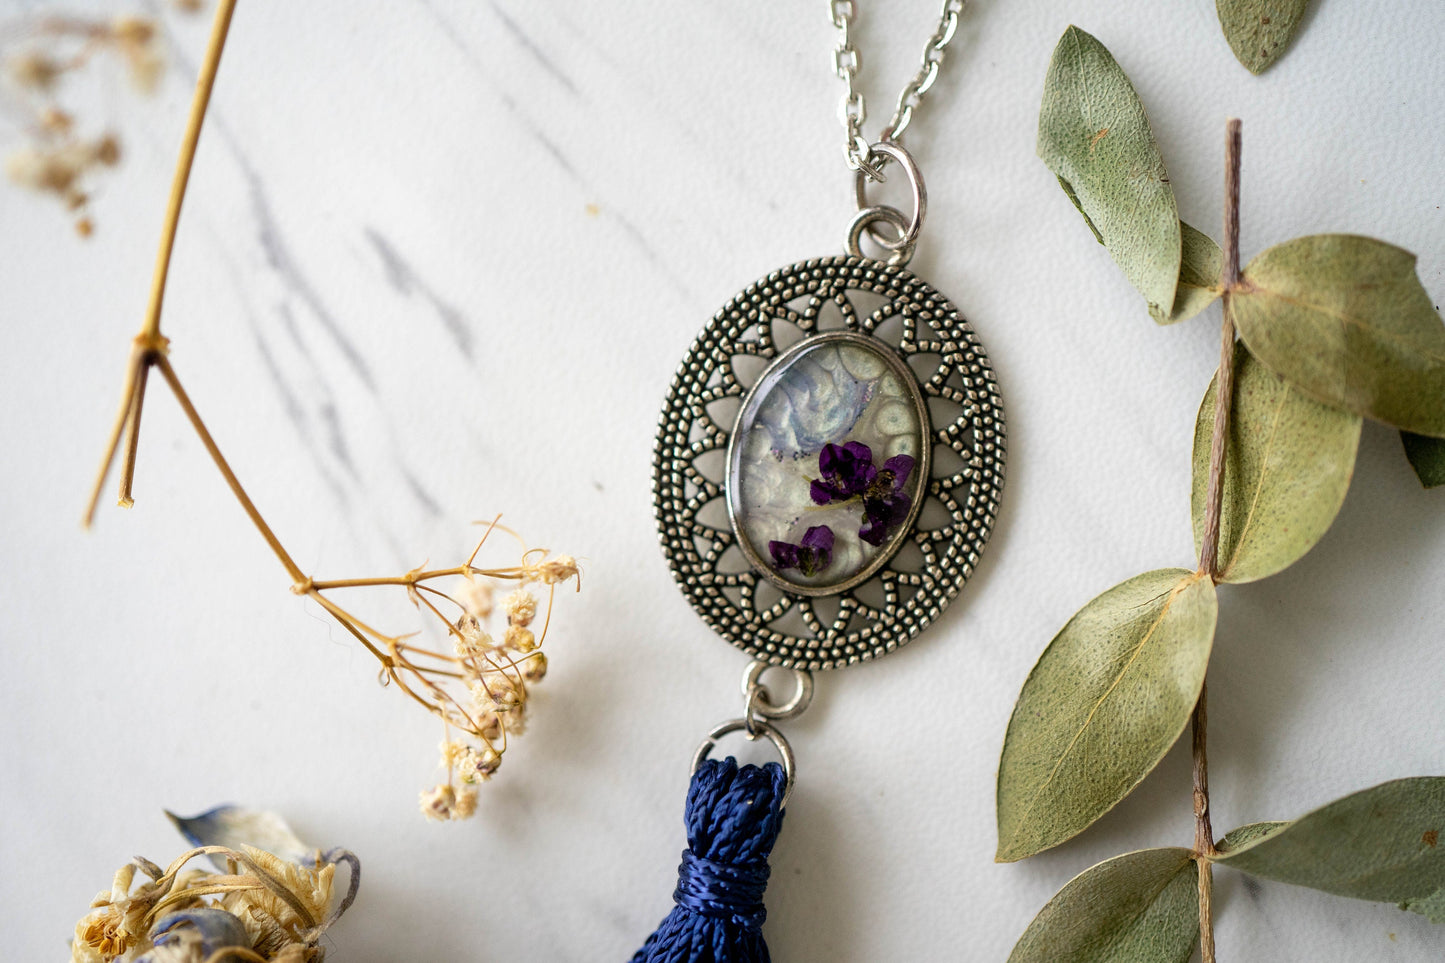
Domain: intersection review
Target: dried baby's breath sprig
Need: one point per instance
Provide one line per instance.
(36, 57)
(480, 687)
(261, 908)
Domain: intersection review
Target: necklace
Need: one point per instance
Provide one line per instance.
(827, 470)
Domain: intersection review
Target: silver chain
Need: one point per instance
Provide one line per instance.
(847, 62)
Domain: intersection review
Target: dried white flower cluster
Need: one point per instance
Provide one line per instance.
(497, 675)
(59, 159)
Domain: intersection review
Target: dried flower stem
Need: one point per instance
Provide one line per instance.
(1209, 548)
(149, 344)
(495, 673)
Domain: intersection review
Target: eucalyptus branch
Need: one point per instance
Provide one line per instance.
(1281, 424)
(1209, 543)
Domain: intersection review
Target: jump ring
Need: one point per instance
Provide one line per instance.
(901, 255)
(893, 151)
(759, 699)
(761, 728)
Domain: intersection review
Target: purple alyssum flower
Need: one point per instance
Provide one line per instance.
(885, 503)
(848, 473)
(812, 554)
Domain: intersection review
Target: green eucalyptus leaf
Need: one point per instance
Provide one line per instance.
(1074, 199)
(1258, 31)
(1137, 908)
(1095, 137)
(1287, 467)
(1381, 844)
(1106, 700)
(1427, 457)
(1200, 277)
(1247, 834)
(1345, 320)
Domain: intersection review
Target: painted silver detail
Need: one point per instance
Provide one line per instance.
(960, 499)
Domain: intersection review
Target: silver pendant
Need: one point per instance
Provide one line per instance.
(829, 462)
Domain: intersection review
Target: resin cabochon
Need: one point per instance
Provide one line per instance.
(829, 389)
(766, 333)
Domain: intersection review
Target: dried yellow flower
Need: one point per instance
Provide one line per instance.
(466, 804)
(270, 921)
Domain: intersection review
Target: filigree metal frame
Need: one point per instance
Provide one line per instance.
(901, 598)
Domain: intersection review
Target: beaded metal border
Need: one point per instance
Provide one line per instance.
(904, 601)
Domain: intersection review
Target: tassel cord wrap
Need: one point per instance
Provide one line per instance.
(733, 816)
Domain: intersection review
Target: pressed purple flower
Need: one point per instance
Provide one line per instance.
(812, 554)
(847, 472)
(885, 503)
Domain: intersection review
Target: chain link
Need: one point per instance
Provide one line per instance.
(847, 62)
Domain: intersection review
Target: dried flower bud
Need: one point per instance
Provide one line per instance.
(466, 805)
(515, 718)
(437, 802)
(520, 639)
(520, 607)
(533, 667)
(187, 6)
(489, 724)
(557, 569)
(56, 121)
(499, 690)
(479, 764)
(452, 752)
(50, 171)
(136, 39)
(33, 70)
(471, 642)
(107, 150)
(475, 596)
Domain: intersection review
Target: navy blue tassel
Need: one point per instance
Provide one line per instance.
(732, 823)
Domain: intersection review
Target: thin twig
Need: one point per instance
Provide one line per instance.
(232, 481)
(149, 343)
(132, 438)
(1209, 543)
(205, 83)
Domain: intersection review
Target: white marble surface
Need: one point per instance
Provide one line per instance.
(440, 259)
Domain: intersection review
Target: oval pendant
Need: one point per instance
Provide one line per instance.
(829, 463)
